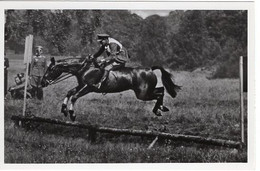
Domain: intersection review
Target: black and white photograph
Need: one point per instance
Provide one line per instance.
(94, 83)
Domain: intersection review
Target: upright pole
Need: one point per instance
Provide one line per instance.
(241, 100)
(27, 58)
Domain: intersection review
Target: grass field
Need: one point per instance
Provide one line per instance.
(208, 108)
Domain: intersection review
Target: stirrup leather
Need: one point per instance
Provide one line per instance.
(103, 79)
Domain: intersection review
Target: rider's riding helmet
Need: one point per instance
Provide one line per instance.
(38, 50)
(101, 37)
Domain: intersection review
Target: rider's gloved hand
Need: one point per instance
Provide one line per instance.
(91, 57)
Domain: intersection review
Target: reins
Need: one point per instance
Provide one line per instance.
(61, 78)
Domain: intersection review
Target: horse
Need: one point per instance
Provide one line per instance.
(141, 80)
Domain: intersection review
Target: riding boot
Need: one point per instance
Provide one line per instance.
(82, 67)
(104, 77)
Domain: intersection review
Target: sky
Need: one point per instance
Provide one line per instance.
(146, 13)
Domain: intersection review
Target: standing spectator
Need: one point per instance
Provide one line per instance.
(38, 68)
(6, 74)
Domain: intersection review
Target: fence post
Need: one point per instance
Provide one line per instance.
(92, 134)
(241, 100)
(27, 59)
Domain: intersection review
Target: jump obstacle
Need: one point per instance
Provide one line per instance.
(92, 130)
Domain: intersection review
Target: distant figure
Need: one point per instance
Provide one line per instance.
(19, 79)
(38, 68)
(6, 63)
(17, 90)
(117, 55)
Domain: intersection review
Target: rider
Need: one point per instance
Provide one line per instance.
(117, 55)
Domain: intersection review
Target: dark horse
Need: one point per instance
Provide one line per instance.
(141, 80)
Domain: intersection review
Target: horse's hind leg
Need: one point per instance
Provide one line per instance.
(64, 109)
(158, 94)
(153, 94)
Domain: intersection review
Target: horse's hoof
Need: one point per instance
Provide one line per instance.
(65, 113)
(163, 108)
(72, 115)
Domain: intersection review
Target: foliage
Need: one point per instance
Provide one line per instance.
(88, 21)
(52, 26)
(15, 30)
(183, 40)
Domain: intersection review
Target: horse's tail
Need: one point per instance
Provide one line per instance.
(168, 82)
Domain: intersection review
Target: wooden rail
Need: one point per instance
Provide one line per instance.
(93, 129)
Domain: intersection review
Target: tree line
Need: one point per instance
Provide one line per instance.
(183, 40)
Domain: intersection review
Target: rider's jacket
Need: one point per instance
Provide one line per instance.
(115, 50)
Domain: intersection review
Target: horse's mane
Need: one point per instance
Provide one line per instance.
(70, 60)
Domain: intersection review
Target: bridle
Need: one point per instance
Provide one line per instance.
(59, 79)
(68, 75)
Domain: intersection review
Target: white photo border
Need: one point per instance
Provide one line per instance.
(148, 5)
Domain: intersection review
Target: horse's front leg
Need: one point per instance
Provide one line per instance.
(64, 109)
(83, 91)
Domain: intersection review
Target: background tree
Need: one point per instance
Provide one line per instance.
(15, 30)
(183, 40)
(153, 45)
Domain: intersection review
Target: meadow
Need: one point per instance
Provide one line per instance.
(208, 108)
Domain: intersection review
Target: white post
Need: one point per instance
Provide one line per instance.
(27, 58)
(241, 100)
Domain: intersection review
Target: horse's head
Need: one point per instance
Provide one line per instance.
(53, 72)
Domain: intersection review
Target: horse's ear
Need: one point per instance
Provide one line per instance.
(53, 60)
